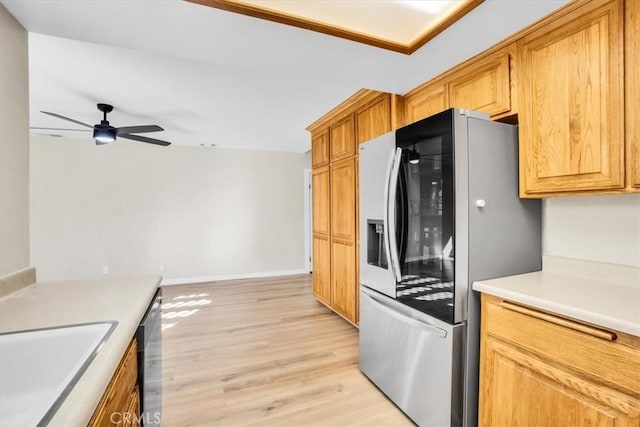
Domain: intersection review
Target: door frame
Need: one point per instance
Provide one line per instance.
(308, 221)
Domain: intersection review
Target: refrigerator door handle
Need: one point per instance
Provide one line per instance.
(391, 214)
(402, 317)
(385, 218)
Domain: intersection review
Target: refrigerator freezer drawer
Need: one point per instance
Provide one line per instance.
(416, 360)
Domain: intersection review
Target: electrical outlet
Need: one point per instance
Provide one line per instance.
(105, 269)
(162, 269)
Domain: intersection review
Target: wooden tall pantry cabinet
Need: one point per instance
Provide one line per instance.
(334, 152)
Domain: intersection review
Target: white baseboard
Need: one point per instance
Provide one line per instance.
(204, 279)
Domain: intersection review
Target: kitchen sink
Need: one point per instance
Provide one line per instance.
(39, 367)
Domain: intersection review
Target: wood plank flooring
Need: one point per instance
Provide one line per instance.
(263, 352)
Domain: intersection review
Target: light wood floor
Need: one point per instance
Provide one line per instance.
(263, 352)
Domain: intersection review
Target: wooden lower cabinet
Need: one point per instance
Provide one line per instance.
(344, 284)
(538, 369)
(120, 403)
(134, 409)
(321, 234)
(322, 269)
(344, 279)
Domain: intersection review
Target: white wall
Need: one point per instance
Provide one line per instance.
(14, 145)
(199, 212)
(594, 228)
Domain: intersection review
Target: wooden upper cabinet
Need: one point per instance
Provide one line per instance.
(483, 85)
(342, 139)
(632, 90)
(425, 101)
(321, 202)
(374, 119)
(320, 149)
(571, 121)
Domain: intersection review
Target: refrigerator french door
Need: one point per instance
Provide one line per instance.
(439, 208)
(408, 217)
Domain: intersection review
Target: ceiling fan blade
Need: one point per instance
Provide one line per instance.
(144, 139)
(65, 129)
(67, 119)
(139, 129)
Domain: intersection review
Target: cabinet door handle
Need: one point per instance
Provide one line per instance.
(579, 327)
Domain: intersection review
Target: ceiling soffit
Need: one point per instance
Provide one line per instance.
(404, 25)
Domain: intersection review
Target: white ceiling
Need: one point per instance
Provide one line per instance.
(213, 77)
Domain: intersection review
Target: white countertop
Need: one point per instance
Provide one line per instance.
(601, 294)
(42, 305)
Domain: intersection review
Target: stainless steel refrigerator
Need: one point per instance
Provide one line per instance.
(439, 209)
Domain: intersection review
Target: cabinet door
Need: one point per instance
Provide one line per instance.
(133, 411)
(374, 119)
(117, 396)
(571, 121)
(539, 369)
(342, 139)
(483, 86)
(521, 389)
(321, 235)
(424, 102)
(344, 279)
(343, 199)
(321, 202)
(320, 149)
(632, 90)
(322, 269)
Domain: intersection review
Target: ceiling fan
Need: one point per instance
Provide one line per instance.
(104, 133)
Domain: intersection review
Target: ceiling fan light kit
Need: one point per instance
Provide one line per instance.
(104, 133)
(104, 136)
